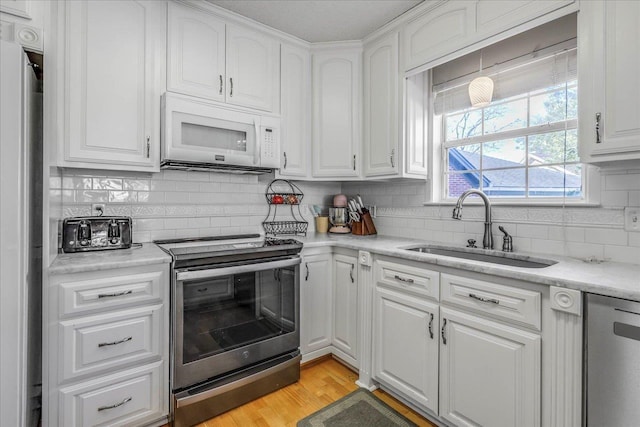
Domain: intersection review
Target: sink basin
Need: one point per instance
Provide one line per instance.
(493, 257)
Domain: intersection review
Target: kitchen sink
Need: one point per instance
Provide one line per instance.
(493, 257)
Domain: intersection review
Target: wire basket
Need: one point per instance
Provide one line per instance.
(285, 227)
(281, 192)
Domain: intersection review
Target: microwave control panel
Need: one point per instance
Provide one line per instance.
(269, 147)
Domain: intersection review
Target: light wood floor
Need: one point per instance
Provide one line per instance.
(320, 384)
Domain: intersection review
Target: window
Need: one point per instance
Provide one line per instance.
(524, 144)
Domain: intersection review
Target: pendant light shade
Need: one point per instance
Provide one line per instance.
(481, 91)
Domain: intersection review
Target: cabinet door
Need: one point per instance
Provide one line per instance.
(405, 346)
(195, 53)
(440, 31)
(494, 16)
(114, 67)
(253, 65)
(315, 303)
(489, 372)
(336, 117)
(345, 305)
(381, 107)
(609, 83)
(295, 135)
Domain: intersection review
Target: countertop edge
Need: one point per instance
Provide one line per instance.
(613, 279)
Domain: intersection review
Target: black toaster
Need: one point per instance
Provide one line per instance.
(96, 233)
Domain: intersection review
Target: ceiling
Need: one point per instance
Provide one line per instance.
(321, 20)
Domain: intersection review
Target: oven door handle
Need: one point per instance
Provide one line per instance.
(228, 271)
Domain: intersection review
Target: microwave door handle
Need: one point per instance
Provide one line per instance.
(228, 271)
(256, 152)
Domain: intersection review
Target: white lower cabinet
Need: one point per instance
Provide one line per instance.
(405, 346)
(315, 305)
(132, 397)
(106, 348)
(489, 372)
(345, 307)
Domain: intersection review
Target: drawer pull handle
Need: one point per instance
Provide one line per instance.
(104, 408)
(117, 294)
(402, 279)
(203, 290)
(490, 300)
(444, 338)
(104, 344)
(431, 326)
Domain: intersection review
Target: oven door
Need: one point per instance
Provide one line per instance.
(229, 318)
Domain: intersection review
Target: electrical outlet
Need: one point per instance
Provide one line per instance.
(97, 209)
(632, 219)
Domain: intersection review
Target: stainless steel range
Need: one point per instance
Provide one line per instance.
(235, 322)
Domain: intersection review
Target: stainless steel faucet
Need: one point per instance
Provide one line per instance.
(487, 240)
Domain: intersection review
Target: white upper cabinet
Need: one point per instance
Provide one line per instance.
(295, 127)
(386, 153)
(609, 81)
(253, 65)
(223, 62)
(381, 107)
(456, 25)
(113, 72)
(493, 16)
(438, 32)
(337, 92)
(195, 53)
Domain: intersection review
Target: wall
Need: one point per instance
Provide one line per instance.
(173, 204)
(581, 232)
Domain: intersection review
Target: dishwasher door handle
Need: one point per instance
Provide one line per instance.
(626, 331)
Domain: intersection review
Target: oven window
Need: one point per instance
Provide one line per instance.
(228, 312)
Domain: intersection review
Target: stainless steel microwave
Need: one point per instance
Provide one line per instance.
(197, 134)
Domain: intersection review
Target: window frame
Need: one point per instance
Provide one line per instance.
(440, 181)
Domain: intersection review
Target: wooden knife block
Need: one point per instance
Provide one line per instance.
(363, 227)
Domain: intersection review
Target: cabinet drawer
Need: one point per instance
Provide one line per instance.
(512, 304)
(407, 278)
(83, 292)
(96, 343)
(133, 397)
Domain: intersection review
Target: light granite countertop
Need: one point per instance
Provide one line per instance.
(607, 278)
(145, 254)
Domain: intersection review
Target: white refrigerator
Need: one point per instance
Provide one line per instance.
(20, 238)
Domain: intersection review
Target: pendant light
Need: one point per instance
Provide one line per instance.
(481, 89)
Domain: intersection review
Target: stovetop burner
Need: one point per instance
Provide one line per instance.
(205, 251)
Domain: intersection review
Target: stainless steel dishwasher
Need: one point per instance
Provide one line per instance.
(612, 351)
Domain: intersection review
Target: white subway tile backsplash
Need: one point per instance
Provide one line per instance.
(570, 234)
(622, 253)
(533, 231)
(136, 184)
(123, 196)
(175, 197)
(107, 184)
(150, 197)
(584, 250)
(627, 181)
(91, 196)
(176, 223)
(199, 222)
(606, 236)
(634, 198)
